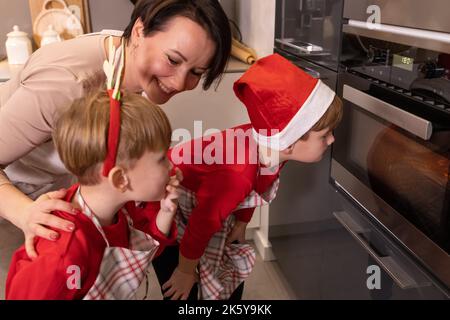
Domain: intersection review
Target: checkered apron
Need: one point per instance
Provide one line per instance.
(122, 270)
(223, 267)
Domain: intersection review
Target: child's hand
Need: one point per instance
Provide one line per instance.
(170, 202)
(237, 233)
(179, 285)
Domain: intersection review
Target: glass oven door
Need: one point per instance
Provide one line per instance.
(392, 156)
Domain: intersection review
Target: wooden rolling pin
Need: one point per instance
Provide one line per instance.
(243, 53)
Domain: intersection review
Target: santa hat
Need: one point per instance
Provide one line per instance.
(283, 102)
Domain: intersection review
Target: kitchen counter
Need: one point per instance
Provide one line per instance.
(7, 71)
(236, 66)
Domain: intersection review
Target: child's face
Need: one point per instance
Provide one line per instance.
(149, 177)
(313, 147)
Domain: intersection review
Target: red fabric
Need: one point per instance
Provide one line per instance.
(244, 215)
(144, 219)
(219, 188)
(46, 277)
(272, 101)
(113, 134)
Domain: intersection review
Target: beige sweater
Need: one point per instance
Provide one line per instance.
(30, 103)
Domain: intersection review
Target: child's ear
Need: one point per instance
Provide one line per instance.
(118, 178)
(288, 150)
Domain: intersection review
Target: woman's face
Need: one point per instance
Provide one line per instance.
(169, 61)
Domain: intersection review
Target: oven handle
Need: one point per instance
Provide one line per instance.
(417, 126)
(388, 263)
(426, 39)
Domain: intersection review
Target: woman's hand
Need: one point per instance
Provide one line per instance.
(180, 284)
(37, 218)
(237, 233)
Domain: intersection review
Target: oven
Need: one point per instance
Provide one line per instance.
(391, 157)
(371, 220)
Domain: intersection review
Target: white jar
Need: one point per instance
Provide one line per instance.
(18, 46)
(50, 36)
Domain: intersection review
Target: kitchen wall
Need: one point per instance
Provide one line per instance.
(12, 13)
(229, 6)
(105, 14)
(110, 14)
(256, 20)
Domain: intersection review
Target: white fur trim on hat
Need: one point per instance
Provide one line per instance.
(312, 110)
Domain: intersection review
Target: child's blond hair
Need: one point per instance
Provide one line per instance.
(331, 118)
(81, 133)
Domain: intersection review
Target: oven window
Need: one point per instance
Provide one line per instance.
(410, 174)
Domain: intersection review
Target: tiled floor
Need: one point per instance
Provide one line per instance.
(265, 282)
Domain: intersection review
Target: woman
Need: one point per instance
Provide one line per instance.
(170, 46)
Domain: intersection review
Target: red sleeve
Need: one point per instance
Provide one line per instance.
(244, 215)
(217, 197)
(144, 219)
(51, 276)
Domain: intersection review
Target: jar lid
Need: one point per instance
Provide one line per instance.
(17, 33)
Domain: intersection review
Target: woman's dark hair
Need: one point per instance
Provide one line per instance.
(207, 13)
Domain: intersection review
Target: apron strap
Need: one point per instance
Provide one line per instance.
(88, 212)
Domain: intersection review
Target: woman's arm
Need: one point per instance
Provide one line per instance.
(26, 121)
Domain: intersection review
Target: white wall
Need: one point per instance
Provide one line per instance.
(110, 14)
(256, 19)
(217, 109)
(229, 6)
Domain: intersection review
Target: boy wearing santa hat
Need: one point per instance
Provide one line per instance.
(228, 174)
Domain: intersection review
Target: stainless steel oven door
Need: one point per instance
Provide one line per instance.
(390, 272)
(395, 165)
